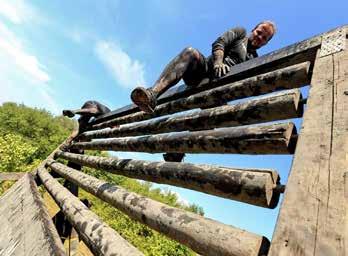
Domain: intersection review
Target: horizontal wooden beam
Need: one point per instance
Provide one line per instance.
(100, 238)
(283, 105)
(11, 175)
(253, 186)
(261, 139)
(286, 78)
(205, 236)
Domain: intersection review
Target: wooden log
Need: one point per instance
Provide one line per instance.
(11, 175)
(286, 78)
(205, 236)
(253, 186)
(25, 225)
(100, 238)
(261, 139)
(279, 106)
(313, 214)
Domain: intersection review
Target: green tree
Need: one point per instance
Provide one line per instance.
(16, 154)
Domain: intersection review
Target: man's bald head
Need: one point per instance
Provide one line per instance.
(262, 33)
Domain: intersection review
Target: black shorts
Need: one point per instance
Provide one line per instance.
(197, 71)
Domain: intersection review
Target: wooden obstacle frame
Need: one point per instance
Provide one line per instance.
(313, 219)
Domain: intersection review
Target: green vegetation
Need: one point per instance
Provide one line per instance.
(28, 135)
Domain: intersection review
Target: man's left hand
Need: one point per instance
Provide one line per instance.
(221, 70)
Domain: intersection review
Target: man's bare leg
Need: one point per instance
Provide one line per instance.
(186, 61)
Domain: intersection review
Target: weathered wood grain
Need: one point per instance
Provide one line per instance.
(279, 106)
(203, 235)
(261, 139)
(312, 217)
(100, 238)
(11, 175)
(287, 78)
(25, 226)
(253, 186)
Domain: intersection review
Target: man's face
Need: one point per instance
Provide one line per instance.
(261, 35)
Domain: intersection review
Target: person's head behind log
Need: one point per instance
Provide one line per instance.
(262, 33)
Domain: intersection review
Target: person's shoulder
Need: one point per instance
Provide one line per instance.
(240, 30)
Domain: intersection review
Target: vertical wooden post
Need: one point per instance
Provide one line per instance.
(312, 219)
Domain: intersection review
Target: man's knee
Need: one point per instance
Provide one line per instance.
(192, 52)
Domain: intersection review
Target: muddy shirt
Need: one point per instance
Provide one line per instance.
(234, 43)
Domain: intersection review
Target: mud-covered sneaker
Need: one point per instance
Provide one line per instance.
(145, 99)
(68, 113)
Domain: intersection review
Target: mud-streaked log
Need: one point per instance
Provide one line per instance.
(283, 105)
(253, 186)
(286, 78)
(203, 235)
(261, 139)
(100, 238)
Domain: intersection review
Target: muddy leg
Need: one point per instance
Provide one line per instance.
(186, 62)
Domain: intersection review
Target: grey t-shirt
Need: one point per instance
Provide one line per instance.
(234, 43)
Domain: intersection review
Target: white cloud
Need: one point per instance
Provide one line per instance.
(16, 11)
(11, 47)
(24, 78)
(126, 71)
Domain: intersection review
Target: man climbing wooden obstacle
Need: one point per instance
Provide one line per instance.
(88, 110)
(233, 47)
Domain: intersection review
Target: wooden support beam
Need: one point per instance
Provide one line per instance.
(25, 225)
(261, 139)
(286, 78)
(205, 236)
(11, 175)
(253, 186)
(312, 219)
(100, 238)
(279, 106)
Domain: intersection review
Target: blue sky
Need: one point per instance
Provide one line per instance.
(58, 54)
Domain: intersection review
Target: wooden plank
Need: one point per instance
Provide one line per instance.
(313, 214)
(287, 78)
(25, 226)
(253, 186)
(202, 235)
(260, 139)
(99, 237)
(279, 106)
(11, 175)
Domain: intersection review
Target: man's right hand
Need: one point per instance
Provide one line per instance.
(221, 69)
